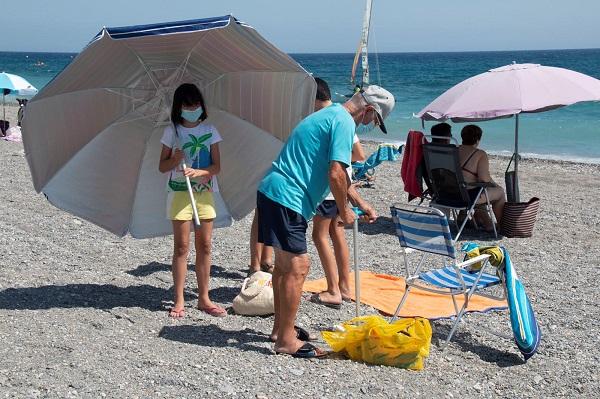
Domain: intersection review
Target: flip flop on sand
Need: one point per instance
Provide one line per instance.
(214, 311)
(306, 351)
(301, 334)
(316, 298)
(177, 313)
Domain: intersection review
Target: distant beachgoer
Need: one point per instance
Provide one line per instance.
(476, 169)
(194, 141)
(312, 162)
(21, 111)
(336, 263)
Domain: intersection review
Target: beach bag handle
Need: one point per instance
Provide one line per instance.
(510, 182)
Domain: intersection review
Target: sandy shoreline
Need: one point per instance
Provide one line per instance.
(83, 312)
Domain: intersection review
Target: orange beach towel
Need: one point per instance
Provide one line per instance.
(383, 292)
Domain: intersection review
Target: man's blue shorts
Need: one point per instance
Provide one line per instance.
(327, 209)
(279, 226)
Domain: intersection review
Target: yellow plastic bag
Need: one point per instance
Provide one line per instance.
(404, 343)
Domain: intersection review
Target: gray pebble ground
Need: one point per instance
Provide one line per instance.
(83, 313)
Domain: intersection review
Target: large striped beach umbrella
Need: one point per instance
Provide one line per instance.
(512, 90)
(92, 135)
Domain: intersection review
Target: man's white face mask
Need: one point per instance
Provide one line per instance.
(364, 129)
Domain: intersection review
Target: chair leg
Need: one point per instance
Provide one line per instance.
(454, 303)
(462, 226)
(406, 291)
(490, 212)
(457, 321)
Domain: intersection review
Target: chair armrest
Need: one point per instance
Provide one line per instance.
(471, 261)
(481, 184)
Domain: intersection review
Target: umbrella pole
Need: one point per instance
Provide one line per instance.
(356, 269)
(358, 213)
(516, 183)
(4, 104)
(192, 199)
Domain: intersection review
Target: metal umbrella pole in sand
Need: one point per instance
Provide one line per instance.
(358, 213)
(188, 183)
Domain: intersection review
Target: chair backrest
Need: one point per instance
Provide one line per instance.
(424, 229)
(445, 174)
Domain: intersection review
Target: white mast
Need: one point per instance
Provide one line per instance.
(362, 48)
(365, 41)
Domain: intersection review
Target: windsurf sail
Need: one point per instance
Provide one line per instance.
(361, 51)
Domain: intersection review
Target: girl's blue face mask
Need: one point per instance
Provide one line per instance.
(193, 115)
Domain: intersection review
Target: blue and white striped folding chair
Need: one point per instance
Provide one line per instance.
(426, 230)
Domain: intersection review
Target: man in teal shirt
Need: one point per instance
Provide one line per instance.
(312, 162)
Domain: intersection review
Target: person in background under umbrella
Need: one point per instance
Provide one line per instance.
(476, 169)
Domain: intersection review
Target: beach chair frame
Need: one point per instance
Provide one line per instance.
(426, 230)
(449, 189)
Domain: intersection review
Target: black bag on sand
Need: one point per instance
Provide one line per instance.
(4, 125)
(518, 218)
(512, 189)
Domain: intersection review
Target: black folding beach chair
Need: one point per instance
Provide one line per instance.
(450, 193)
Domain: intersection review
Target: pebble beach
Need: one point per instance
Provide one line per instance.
(83, 313)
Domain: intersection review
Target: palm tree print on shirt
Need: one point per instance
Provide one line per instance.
(200, 155)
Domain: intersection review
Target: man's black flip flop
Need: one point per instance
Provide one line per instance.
(303, 335)
(306, 351)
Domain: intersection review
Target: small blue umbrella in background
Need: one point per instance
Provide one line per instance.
(14, 84)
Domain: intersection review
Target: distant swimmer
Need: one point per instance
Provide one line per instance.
(40, 63)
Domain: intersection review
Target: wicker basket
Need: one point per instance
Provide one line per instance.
(518, 218)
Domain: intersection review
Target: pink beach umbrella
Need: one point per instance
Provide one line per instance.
(511, 90)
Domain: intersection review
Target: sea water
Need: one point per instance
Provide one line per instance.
(416, 79)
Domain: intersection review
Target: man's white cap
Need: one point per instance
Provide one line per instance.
(380, 99)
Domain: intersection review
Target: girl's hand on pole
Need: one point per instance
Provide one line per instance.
(191, 173)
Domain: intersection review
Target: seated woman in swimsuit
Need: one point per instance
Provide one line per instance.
(476, 169)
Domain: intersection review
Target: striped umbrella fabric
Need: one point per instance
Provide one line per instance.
(15, 84)
(423, 231)
(92, 135)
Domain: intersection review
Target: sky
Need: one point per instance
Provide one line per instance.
(318, 26)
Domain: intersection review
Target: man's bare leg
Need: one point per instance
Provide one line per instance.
(290, 273)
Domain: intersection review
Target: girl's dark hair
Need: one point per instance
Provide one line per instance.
(471, 134)
(186, 94)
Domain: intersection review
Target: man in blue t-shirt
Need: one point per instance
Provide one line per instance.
(312, 162)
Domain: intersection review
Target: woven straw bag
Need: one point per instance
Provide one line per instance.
(256, 296)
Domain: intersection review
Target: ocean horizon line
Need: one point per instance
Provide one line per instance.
(346, 53)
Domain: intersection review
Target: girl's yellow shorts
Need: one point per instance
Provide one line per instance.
(179, 206)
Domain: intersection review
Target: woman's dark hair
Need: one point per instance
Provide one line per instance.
(471, 134)
(323, 93)
(186, 94)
